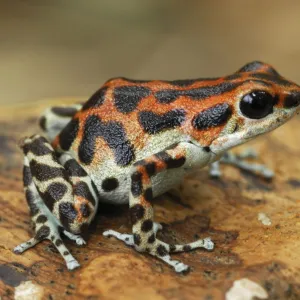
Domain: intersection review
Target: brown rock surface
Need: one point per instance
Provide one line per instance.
(226, 210)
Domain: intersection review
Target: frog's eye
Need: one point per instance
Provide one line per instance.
(257, 104)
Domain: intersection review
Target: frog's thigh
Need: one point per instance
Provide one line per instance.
(63, 195)
(54, 119)
(141, 212)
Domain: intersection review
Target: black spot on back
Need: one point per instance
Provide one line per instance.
(64, 111)
(187, 82)
(128, 97)
(69, 134)
(110, 184)
(96, 99)
(154, 123)
(170, 95)
(167, 96)
(182, 82)
(114, 135)
(212, 117)
(214, 90)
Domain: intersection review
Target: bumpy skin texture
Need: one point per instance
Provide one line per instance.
(134, 140)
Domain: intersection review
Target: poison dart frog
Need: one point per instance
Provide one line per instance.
(134, 140)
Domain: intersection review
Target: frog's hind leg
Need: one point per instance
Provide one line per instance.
(60, 195)
(44, 223)
(55, 118)
(238, 160)
(143, 237)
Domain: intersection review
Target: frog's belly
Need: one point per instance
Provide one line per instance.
(161, 183)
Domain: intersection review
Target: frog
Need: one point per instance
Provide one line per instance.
(134, 140)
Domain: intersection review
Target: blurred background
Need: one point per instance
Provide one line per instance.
(69, 48)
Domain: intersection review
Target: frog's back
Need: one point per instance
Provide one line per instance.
(127, 120)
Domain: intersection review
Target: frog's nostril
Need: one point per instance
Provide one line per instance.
(292, 100)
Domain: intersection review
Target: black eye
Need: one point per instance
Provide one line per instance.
(257, 104)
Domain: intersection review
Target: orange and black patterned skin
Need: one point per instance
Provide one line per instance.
(133, 140)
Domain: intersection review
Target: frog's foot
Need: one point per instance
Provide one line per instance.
(46, 231)
(160, 249)
(143, 237)
(128, 238)
(75, 237)
(238, 160)
(26, 245)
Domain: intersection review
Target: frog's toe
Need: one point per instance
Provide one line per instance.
(267, 173)
(75, 237)
(126, 238)
(24, 246)
(80, 241)
(178, 266)
(73, 264)
(157, 227)
(158, 248)
(208, 244)
(181, 267)
(239, 161)
(214, 170)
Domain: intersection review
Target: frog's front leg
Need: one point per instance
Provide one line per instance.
(141, 212)
(60, 195)
(238, 160)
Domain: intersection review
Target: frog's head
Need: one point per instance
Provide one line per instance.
(262, 101)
